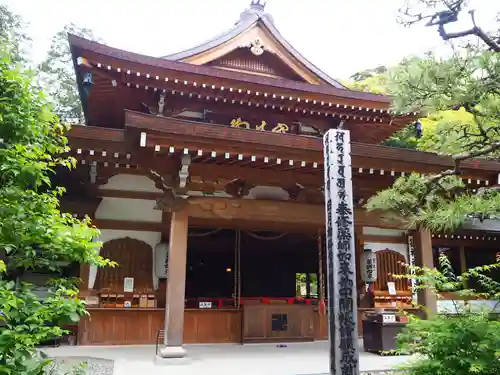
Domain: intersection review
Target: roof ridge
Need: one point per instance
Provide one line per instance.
(253, 14)
(239, 27)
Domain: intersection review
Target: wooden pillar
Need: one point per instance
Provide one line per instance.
(176, 286)
(463, 262)
(424, 258)
(84, 277)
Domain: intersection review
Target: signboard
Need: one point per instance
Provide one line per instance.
(263, 126)
(388, 318)
(412, 259)
(205, 305)
(340, 254)
(92, 300)
(391, 286)
(128, 284)
(369, 266)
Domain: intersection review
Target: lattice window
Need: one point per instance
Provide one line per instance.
(134, 258)
(390, 262)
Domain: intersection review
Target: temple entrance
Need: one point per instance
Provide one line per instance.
(271, 279)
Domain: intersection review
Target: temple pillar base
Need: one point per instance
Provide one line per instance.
(172, 355)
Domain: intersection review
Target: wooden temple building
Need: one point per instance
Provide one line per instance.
(203, 171)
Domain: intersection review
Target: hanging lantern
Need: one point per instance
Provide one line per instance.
(87, 82)
(369, 266)
(418, 129)
(161, 260)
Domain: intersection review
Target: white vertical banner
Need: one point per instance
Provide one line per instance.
(412, 262)
(340, 248)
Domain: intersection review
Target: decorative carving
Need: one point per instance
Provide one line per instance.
(171, 201)
(238, 188)
(184, 171)
(311, 196)
(249, 64)
(161, 105)
(257, 47)
(93, 173)
(294, 191)
(221, 208)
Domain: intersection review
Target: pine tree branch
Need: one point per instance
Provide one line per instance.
(465, 156)
(475, 30)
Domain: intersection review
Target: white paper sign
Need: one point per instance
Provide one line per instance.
(392, 288)
(127, 304)
(205, 305)
(128, 284)
(386, 318)
(92, 300)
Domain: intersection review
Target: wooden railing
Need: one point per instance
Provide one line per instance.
(228, 303)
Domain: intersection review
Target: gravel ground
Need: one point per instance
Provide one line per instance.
(96, 366)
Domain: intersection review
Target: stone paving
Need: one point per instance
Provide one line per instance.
(67, 365)
(254, 359)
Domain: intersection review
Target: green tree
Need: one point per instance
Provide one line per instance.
(57, 75)
(464, 341)
(370, 80)
(34, 234)
(446, 132)
(377, 81)
(467, 82)
(13, 34)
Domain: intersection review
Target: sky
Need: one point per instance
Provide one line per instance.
(341, 37)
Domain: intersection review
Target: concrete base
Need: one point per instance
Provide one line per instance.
(160, 361)
(172, 352)
(217, 359)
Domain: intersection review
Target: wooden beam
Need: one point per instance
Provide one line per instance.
(484, 244)
(127, 225)
(249, 215)
(260, 225)
(275, 211)
(255, 176)
(383, 239)
(129, 194)
(80, 207)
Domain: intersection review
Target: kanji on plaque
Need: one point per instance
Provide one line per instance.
(278, 128)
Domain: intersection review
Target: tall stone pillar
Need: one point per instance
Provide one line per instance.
(176, 286)
(425, 258)
(340, 254)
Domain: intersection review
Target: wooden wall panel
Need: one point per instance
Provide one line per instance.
(212, 326)
(140, 327)
(120, 327)
(320, 326)
(257, 326)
